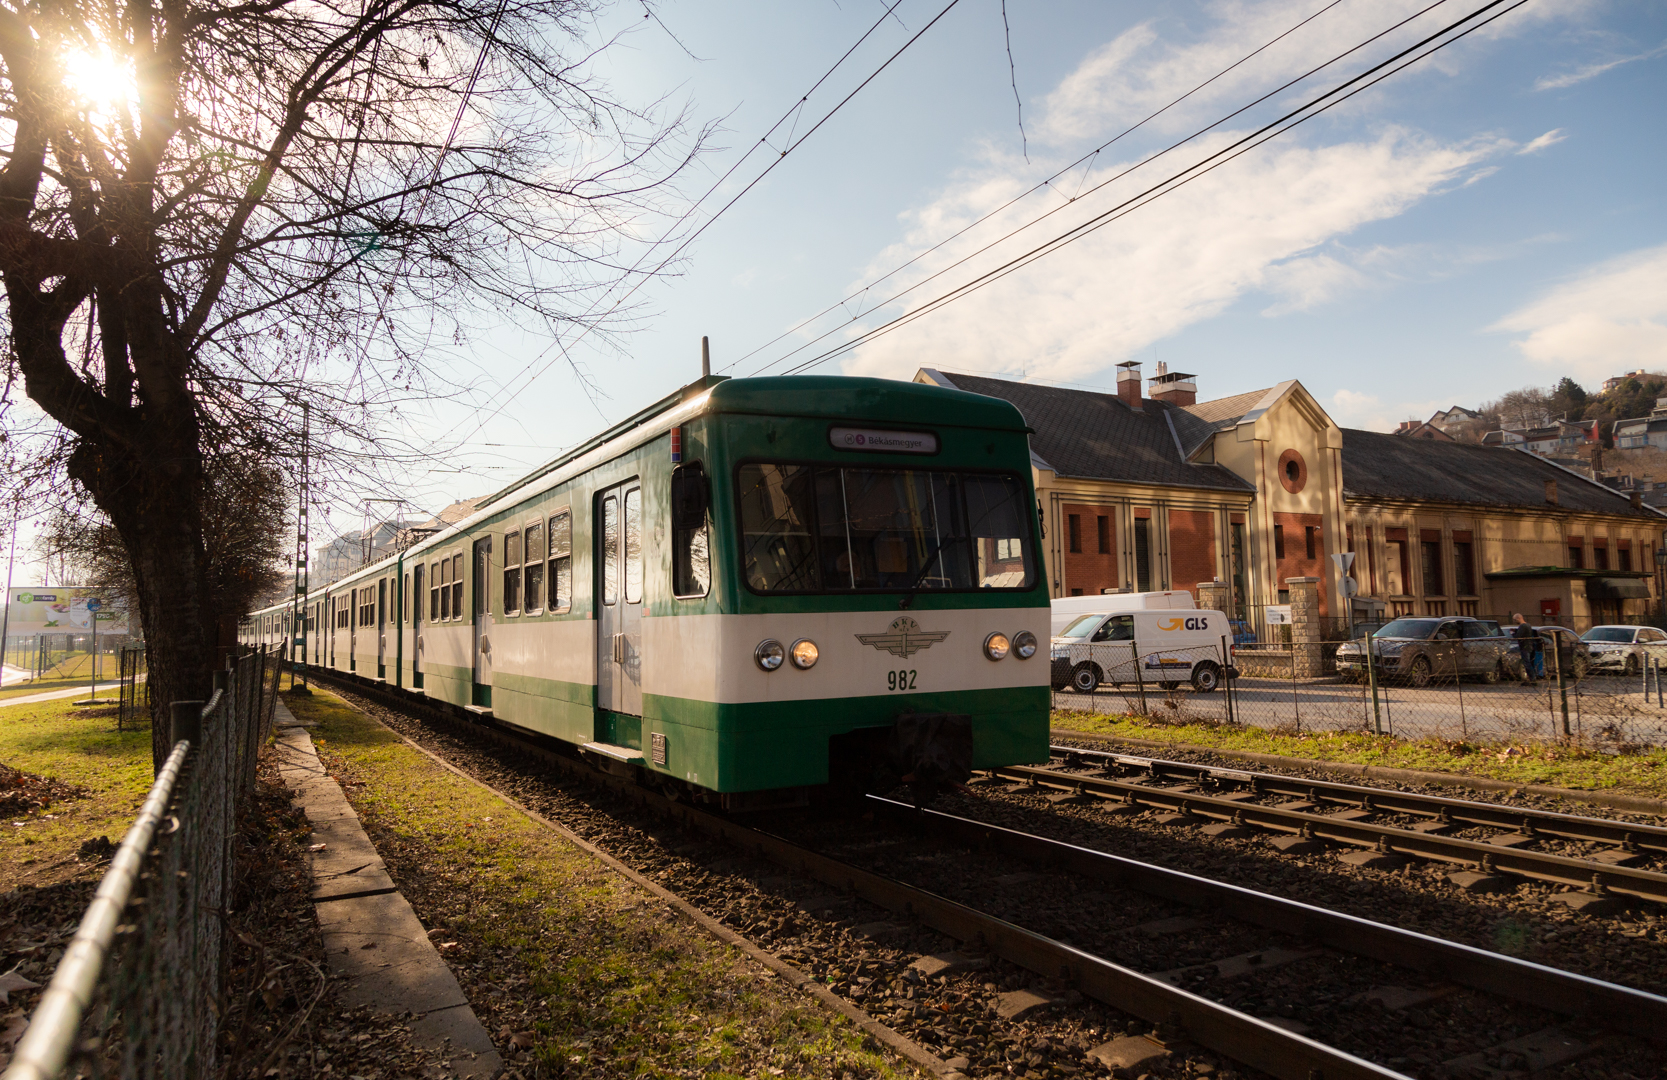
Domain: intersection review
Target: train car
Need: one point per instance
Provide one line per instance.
(750, 587)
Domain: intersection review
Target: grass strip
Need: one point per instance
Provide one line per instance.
(80, 747)
(575, 970)
(1640, 773)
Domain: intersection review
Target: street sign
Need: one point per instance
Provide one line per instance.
(1344, 560)
(1351, 587)
(94, 603)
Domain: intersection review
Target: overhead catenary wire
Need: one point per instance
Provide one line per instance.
(1173, 182)
(1050, 180)
(642, 278)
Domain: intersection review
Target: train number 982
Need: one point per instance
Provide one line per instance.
(900, 680)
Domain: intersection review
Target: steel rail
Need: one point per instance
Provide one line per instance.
(1246, 1039)
(1389, 800)
(1540, 866)
(1623, 1008)
(45, 1046)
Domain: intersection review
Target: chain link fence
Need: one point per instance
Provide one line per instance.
(138, 992)
(134, 701)
(1479, 692)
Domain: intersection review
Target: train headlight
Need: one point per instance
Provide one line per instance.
(1024, 644)
(996, 646)
(769, 654)
(804, 654)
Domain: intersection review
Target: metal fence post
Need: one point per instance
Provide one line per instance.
(1458, 681)
(1226, 683)
(185, 722)
(1562, 689)
(1296, 703)
(1139, 682)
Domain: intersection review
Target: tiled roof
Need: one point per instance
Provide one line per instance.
(1376, 465)
(1089, 435)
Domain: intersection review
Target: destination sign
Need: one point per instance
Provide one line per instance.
(894, 442)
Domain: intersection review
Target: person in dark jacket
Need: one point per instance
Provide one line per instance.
(1532, 647)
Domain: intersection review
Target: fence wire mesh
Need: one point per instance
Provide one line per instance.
(1479, 691)
(138, 992)
(134, 700)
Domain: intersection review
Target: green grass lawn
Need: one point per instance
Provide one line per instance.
(106, 687)
(80, 747)
(1526, 763)
(609, 980)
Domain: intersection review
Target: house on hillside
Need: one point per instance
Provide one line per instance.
(1620, 380)
(1154, 489)
(1644, 431)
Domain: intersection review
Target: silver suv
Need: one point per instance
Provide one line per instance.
(1420, 649)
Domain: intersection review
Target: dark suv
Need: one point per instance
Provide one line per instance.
(1419, 649)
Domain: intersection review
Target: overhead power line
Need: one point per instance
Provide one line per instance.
(1056, 176)
(793, 144)
(1290, 120)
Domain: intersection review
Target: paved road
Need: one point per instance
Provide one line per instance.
(1600, 709)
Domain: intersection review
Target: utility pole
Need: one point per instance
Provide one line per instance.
(298, 607)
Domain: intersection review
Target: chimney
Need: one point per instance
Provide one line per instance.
(1597, 458)
(1637, 501)
(1551, 492)
(1174, 387)
(1128, 383)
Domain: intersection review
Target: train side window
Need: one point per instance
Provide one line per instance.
(610, 550)
(532, 540)
(561, 561)
(457, 586)
(691, 554)
(417, 594)
(633, 546)
(445, 589)
(512, 573)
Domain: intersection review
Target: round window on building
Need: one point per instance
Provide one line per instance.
(1293, 471)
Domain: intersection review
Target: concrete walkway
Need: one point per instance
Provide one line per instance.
(105, 690)
(377, 948)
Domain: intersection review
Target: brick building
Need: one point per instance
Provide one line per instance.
(1158, 490)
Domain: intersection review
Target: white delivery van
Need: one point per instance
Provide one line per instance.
(1162, 647)
(1067, 608)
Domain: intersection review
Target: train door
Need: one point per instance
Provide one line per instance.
(381, 628)
(419, 597)
(354, 618)
(482, 585)
(619, 559)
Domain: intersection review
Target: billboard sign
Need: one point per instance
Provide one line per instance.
(61, 610)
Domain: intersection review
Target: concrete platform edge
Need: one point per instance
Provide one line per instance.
(422, 984)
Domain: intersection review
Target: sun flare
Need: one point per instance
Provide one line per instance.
(97, 77)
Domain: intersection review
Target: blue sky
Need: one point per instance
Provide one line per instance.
(1490, 218)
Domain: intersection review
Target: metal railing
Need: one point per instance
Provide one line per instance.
(134, 701)
(138, 992)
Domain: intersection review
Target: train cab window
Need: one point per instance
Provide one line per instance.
(691, 554)
(457, 586)
(444, 578)
(561, 561)
(610, 550)
(532, 589)
(633, 546)
(825, 529)
(512, 573)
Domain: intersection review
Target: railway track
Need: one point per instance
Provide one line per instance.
(1598, 859)
(1184, 1002)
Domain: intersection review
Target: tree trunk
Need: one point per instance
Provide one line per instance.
(152, 502)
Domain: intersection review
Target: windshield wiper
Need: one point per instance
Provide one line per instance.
(925, 566)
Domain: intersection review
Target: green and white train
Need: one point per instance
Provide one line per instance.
(748, 589)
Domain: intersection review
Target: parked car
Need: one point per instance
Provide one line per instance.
(1625, 648)
(1421, 649)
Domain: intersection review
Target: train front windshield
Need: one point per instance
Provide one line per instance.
(819, 528)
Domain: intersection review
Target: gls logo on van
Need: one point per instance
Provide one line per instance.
(1199, 623)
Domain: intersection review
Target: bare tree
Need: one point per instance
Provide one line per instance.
(213, 212)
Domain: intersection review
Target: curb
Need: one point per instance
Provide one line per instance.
(1637, 804)
(895, 1040)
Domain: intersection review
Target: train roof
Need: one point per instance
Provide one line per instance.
(818, 397)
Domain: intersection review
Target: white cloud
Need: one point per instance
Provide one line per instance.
(1550, 138)
(1592, 71)
(1252, 225)
(1611, 318)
